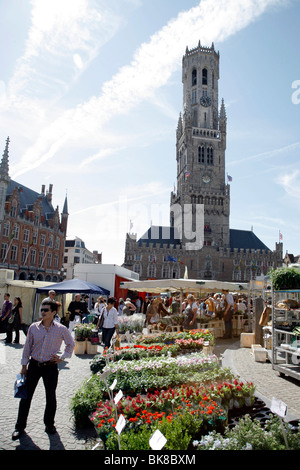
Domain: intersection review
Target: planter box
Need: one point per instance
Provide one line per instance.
(91, 348)
(247, 339)
(80, 347)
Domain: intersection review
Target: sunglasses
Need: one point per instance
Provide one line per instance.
(45, 309)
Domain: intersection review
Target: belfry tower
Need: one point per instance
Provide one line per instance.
(200, 151)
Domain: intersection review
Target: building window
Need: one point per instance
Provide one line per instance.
(65, 259)
(210, 156)
(6, 227)
(32, 257)
(34, 238)
(26, 236)
(49, 260)
(151, 270)
(13, 253)
(43, 239)
(24, 255)
(57, 243)
(201, 153)
(204, 76)
(194, 96)
(17, 232)
(152, 258)
(76, 259)
(137, 268)
(56, 261)
(194, 77)
(165, 274)
(41, 256)
(37, 218)
(13, 209)
(3, 250)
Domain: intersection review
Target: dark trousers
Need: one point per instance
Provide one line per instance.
(107, 334)
(9, 333)
(49, 373)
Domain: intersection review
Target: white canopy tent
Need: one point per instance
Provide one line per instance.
(158, 286)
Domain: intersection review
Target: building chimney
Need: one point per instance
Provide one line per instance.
(49, 193)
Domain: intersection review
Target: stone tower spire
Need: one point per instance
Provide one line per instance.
(200, 150)
(4, 179)
(4, 176)
(64, 216)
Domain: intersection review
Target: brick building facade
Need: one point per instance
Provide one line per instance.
(32, 232)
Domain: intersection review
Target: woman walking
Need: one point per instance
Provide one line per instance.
(110, 322)
(15, 321)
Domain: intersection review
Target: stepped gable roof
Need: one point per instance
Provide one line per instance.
(160, 235)
(246, 239)
(28, 198)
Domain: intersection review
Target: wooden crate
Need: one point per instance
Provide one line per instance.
(247, 339)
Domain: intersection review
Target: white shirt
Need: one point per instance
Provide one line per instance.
(229, 299)
(110, 318)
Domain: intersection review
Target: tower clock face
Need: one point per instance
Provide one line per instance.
(206, 179)
(205, 101)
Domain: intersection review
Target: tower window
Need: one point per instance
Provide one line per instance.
(201, 152)
(194, 97)
(210, 156)
(204, 76)
(194, 77)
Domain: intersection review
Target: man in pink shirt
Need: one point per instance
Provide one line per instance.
(42, 344)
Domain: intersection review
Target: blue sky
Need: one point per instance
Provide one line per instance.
(91, 91)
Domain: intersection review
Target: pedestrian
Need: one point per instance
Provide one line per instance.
(15, 322)
(86, 310)
(211, 306)
(51, 296)
(76, 309)
(228, 313)
(129, 308)
(40, 359)
(110, 322)
(121, 306)
(99, 309)
(190, 313)
(5, 314)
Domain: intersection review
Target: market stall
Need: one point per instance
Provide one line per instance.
(183, 286)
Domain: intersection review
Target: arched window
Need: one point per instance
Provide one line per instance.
(165, 272)
(201, 152)
(204, 76)
(151, 270)
(194, 77)
(210, 156)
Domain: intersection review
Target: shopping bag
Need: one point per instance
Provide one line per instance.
(20, 387)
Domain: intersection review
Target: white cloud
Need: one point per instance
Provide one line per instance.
(269, 154)
(61, 33)
(151, 68)
(291, 183)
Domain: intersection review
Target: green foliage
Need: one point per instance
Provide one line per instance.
(250, 435)
(178, 433)
(285, 278)
(85, 399)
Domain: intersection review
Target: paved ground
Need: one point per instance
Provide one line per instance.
(71, 375)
